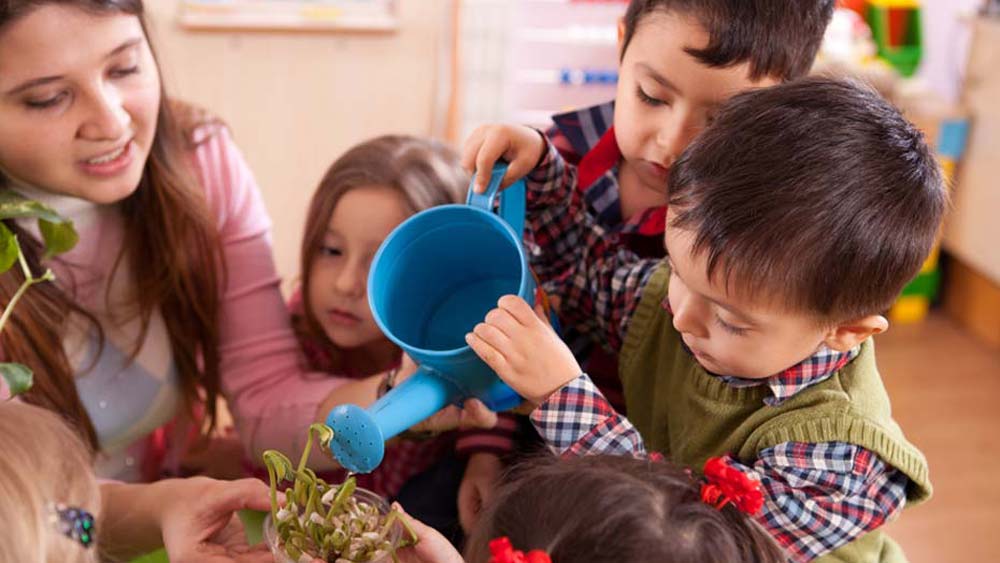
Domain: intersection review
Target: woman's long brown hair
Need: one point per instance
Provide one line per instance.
(171, 246)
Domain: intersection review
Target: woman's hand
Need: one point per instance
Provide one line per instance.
(199, 522)
(523, 147)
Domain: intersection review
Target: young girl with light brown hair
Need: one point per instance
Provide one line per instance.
(365, 194)
(612, 509)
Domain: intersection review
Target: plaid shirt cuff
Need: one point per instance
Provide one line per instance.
(577, 420)
(552, 181)
(821, 496)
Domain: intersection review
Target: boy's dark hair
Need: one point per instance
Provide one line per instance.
(610, 509)
(816, 193)
(779, 38)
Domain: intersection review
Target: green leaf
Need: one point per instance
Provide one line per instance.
(8, 248)
(282, 466)
(17, 376)
(323, 432)
(15, 206)
(59, 237)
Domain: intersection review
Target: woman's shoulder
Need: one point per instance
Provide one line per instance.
(195, 123)
(219, 167)
(206, 139)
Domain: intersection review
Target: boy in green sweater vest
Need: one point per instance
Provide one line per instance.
(794, 220)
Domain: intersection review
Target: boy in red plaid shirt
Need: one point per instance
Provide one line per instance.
(680, 59)
(794, 220)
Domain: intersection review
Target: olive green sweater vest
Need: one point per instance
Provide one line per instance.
(689, 415)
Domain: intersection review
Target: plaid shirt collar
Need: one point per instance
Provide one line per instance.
(591, 133)
(584, 127)
(810, 371)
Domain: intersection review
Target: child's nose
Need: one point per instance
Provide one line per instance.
(675, 135)
(687, 320)
(351, 281)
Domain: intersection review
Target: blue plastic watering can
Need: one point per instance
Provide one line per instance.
(432, 280)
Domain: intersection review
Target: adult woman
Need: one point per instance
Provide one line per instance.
(171, 297)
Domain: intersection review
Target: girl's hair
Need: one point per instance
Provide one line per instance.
(43, 463)
(611, 509)
(171, 245)
(425, 172)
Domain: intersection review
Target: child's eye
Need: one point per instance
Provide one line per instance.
(649, 100)
(734, 330)
(329, 251)
(123, 72)
(46, 103)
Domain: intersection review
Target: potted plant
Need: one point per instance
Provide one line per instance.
(58, 236)
(336, 523)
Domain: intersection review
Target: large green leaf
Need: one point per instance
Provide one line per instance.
(15, 206)
(58, 237)
(8, 248)
(57, 232)
(17, 376)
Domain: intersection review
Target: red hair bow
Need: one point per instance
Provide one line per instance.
(725, 484)
(504, 552)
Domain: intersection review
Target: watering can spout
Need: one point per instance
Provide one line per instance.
(360, 434)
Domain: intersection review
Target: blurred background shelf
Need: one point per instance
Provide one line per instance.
(290, 15)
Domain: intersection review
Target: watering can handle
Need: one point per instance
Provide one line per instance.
(512, 204)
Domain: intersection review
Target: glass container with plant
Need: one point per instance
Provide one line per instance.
(335, 523)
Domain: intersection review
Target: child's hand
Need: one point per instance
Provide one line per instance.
(431, 546)
(480, 480)
(521, 146)
(518, 343)
(472, 414)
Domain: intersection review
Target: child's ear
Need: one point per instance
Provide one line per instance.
(621, 37)
(849, 334)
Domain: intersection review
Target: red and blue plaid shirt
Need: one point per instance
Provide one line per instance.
(819, 496)
(586, 138)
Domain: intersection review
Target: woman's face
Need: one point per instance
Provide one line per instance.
(79, 98)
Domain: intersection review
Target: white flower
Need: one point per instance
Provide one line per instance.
(327, 497)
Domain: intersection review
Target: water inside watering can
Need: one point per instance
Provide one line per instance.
(454, 276)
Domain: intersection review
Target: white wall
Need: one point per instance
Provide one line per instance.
(946, 33)
(295, 101)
